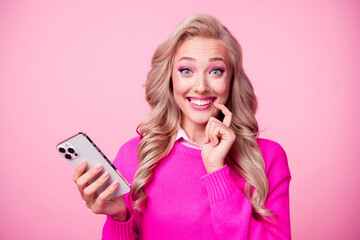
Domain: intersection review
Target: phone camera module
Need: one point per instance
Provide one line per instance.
(71, 150)
(62, 150)
(68, 156)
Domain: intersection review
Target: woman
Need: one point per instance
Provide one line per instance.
(198, 169)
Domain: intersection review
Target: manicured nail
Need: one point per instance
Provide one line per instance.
(97, 166)
(115, 184)
(82, 163)
(105, 175)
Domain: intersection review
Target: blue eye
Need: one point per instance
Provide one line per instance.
(217, 71)
(185, 71)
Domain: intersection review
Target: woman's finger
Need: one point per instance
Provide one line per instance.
(98, 206)
(219, 131)
(213, 131)
(227, 114)
(83, 180)
(207, 129)
(90, 191)
(214, 135)
(80, 169)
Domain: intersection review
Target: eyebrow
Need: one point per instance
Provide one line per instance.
(187, 58)
(194, 60)
(216, 59)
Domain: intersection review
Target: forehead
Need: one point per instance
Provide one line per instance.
(202, 48)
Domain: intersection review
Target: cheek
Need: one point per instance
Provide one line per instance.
(180, 87)
(221, 88)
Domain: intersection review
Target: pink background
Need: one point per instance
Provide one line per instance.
(69, 66)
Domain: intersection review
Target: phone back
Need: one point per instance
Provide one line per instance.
(80, 147)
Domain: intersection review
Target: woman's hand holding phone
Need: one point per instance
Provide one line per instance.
(115, 207)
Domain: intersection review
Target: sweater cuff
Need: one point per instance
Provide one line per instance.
(219, 184)
(118, 230)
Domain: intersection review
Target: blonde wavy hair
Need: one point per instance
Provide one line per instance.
(158, 130)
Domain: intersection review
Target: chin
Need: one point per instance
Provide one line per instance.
(201, 120)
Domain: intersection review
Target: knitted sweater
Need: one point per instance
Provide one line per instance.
(187, 203)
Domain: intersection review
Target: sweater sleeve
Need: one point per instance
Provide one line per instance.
(231, 211)
(127, 164)
(118, 230)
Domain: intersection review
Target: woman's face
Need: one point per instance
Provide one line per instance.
(200, 75)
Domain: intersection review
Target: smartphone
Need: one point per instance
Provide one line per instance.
(81, 147)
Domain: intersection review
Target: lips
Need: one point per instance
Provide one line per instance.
(201, 103)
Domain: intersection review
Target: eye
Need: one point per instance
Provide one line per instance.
(185, 70)
(217, 71)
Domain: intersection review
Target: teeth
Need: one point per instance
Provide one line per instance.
(201, 102)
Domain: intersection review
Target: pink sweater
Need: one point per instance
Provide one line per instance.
(187, 203)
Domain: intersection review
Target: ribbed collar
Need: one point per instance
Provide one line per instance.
(186, 150)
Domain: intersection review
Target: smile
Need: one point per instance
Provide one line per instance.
(201, 102)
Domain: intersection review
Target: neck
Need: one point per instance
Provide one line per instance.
(196, 132)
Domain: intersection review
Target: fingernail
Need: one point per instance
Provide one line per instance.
(105, 175)
(82, 163)
(115, 184)
(98, 166)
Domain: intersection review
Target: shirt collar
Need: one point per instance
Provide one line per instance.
(183, 138)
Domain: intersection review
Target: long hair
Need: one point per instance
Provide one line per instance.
(158, 130)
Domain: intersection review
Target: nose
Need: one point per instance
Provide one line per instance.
(201, 84)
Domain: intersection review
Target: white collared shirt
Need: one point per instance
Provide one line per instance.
(183, 138)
